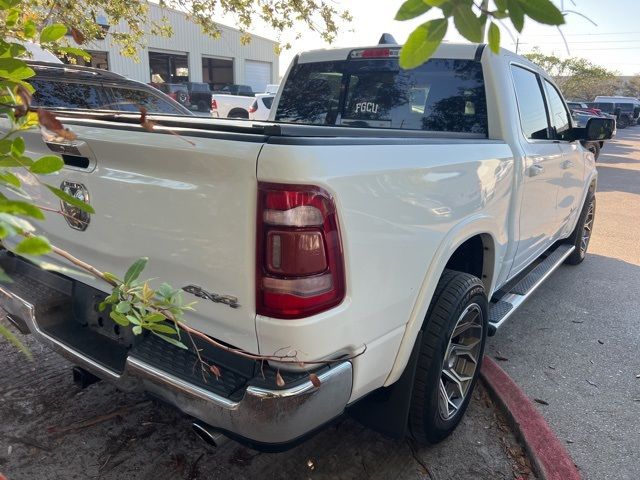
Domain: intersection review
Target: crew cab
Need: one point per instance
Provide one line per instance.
(382, 222)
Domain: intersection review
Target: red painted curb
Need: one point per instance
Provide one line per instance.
(551, 459)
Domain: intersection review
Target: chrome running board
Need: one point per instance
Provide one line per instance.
(500, 311)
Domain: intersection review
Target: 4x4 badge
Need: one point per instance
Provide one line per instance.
(75, 217)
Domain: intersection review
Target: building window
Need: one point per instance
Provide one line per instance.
(98, 60)
(168, 67)
(217, 72)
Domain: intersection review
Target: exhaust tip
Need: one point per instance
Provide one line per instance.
(209, 435)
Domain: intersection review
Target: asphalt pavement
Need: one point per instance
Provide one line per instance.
(576, 343)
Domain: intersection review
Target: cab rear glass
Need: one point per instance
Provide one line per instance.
(443, 95)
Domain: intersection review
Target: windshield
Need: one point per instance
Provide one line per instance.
(443, 95)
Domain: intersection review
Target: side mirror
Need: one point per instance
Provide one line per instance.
(600, 128)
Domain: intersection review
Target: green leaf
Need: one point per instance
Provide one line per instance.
(494, 38)
(119, 318)
(7, 162)
(7, 4)
(172, 341)
(435, 3)
(4, 278)
(10, 179)
(17, 207)
(52, 33)
(111, 277)
(123, 307)
(47, 165)
(30, 29)
(12, 339)
(422, 43)
(5, 145)
(65, 197)
(162, 328)
(135, 270)
(102, 306)
(154, 317)
(33, 246)
(469, 26)
(133, 319)
(412, 9)
(542, 11)
(501, 4)
(17, 147)
(516, 14)
(14, 69)
(137, 330)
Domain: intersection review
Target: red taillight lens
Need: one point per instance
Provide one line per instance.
(300, 265)
(253, 107)
(214, 104)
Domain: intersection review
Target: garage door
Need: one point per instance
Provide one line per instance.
(257, 75)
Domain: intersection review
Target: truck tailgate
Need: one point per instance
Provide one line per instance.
(186, 203)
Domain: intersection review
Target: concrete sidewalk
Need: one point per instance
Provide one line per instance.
(576, 343)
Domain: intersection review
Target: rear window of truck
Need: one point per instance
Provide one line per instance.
(443, 95)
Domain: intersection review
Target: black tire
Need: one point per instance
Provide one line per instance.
(456, 292)
(202, 106)
(238, 113)
(586, 219)
(623, 122)
(594, 148)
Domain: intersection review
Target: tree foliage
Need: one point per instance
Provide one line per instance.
(578, 78)
(130, 20)
(475, 21)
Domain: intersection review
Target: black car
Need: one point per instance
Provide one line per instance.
(235, 89)
(625, 113)
(177, 91)
(200, 95)
(73, 87)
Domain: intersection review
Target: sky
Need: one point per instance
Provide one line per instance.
(614, 42)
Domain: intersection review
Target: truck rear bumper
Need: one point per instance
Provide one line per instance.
(258, 413)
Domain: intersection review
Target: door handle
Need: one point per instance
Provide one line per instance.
(75, 153)
(567, 164)
(535, 170)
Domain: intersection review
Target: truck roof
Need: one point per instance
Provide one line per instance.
(461, 51)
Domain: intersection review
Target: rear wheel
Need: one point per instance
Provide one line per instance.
(593, 148)
(202, 106)
(455, 332)
(623, 122)
(581, 236)
(238, 113)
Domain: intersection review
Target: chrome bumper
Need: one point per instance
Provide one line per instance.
(262, 415)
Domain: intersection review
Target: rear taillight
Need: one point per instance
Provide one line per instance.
(253, 107)
(300, 265)
(214, 104)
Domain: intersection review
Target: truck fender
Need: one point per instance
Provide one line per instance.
(476, 225)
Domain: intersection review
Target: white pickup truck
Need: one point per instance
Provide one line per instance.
(384, 221)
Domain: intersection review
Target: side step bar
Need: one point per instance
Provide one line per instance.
(501, 311)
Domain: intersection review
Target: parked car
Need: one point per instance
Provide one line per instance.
(177, 91)
(624, 112)
(200, 95)
(242, 90)
(231, 106)
(382, 226)
(261, 106)
(60, 86)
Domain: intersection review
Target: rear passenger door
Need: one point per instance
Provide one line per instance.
(542, 166)
(572, 165)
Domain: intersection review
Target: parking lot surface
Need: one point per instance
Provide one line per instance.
(52, 429)
(575, 344)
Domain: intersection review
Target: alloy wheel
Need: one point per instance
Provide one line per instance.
(460, 361)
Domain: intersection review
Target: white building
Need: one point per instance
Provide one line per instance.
(190, 55)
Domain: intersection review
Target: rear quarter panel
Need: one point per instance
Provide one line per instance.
(403, 209)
